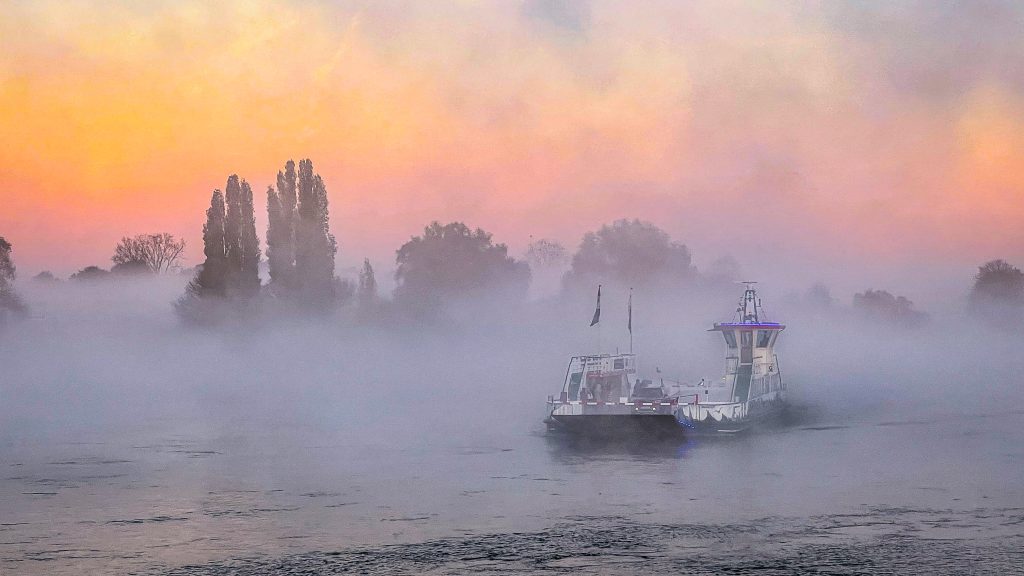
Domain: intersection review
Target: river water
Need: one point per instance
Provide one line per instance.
(226, 458)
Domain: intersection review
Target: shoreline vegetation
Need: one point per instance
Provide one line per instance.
(448, 264)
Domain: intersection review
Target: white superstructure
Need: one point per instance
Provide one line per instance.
(752, 387)
(602, 394)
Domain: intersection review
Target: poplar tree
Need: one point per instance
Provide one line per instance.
(233, 233)
(211, 280)
(315, 247)
(326, 245)
(249, 278)
(304, 230)
(281, 205)
(366, 292)
(279, 258)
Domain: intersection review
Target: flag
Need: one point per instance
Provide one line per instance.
(629, 323)
(597, 311)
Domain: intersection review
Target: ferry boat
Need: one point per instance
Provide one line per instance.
(602, 396)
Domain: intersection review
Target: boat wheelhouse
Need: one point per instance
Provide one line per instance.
(752, 387)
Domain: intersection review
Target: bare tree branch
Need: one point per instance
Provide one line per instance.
(159, 253)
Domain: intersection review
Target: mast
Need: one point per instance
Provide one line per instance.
(630, 321)
(749, 308)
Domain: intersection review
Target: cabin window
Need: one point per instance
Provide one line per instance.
(574, 385)
(607, 388)
(763, 338)
(620, 364)
(746, 337)
(730, 339)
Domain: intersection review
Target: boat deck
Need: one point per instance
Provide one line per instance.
(716, 393)
(638, 407)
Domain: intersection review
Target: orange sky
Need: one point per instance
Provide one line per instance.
(824, 133)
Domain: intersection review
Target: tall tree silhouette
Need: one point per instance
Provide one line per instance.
(280, 260)
(367, 281)
(10, 303)
(249, 274)
(314, 245)
(367, 298)
(233, 232)
(241, 246)
(211, 280)
(281, 229)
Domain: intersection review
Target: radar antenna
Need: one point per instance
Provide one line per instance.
(749, 310)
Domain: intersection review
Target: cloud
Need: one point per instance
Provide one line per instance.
(572, 15)
(890, 121)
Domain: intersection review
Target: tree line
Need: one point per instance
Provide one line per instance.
(445, 264)
(139, 255)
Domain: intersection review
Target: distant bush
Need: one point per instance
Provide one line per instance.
(882, 305)
(998, 293)
(131, 268)
(90, 274)
(819, 297)
(546, 253)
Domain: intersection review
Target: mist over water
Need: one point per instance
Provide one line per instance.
(351, 376)
(129, 443)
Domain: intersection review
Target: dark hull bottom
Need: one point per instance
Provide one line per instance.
(618, 426)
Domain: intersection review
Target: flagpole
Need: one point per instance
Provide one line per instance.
(630, 324)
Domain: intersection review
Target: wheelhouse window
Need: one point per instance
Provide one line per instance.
(746, 338)
(730, 339)
(764, 337)
(620, 364)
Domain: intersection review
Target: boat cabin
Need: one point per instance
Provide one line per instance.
(608, 378)
(751, 363)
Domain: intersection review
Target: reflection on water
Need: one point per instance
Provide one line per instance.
(568, 449)
(842, 492)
